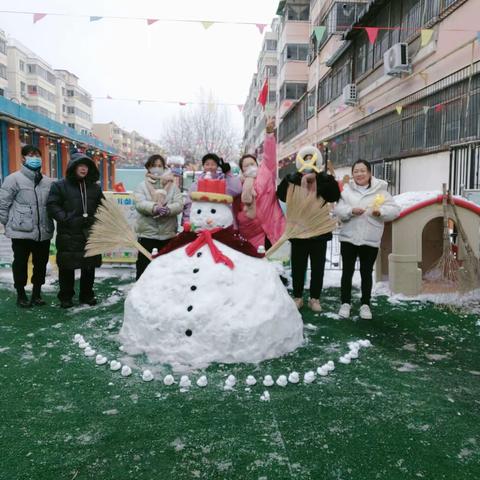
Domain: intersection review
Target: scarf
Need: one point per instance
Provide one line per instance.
(309, 182)
(205, 238)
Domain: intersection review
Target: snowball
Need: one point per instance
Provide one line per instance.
(323, 371)
(78, 338)
(114, 365)
(185, 382)
(282, 381)
(268, 380)
(294, 377)
(89, 352)
(365, 343)
(147, 376)
(265, 397)
(251, 380)
(168, 380)
(126, 371)
(309, 377)
(82, 344)
(345, 359)
(330, 365)
(100, 360)
(202, 381)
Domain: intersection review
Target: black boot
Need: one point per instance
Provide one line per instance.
(90, 300)
(36, 300)
(66, 303)
(22, 300)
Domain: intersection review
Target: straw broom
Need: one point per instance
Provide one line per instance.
(306, 217)
(470, 273)
(446, 267)
(111, 231)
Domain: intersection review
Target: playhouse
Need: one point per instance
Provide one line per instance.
(413, 242)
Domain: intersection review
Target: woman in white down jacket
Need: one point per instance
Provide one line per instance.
(363, 208)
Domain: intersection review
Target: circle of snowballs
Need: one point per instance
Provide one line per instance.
(185, 383)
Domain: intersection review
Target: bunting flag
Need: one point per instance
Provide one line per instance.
(38, 16)
(109, 97)
(263, 96)
(240, 108)
(95, 19)
(139, 102)
(207, 25)
(399, 109)
(151, 21)
(261, 27)
(182, 104)
(319, 33)
(372, 33)
(439, 107)
(426, 36)
(425, 110)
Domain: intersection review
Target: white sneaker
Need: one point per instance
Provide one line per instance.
(314, 305)
(365, 312)
(344, 311)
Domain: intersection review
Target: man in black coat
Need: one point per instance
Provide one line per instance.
(72, 203)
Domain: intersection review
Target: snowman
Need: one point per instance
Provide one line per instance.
(209, 296)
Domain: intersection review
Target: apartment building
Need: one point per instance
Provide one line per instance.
(3, 63)
(74, 103)
(254, 115)
(407, 100)
(134, 149)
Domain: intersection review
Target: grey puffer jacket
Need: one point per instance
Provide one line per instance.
(23, 206)
(158, 228)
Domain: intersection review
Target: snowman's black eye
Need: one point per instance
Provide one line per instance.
(199, 211)
(213, 210)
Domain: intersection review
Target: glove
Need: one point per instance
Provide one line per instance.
(160, 211)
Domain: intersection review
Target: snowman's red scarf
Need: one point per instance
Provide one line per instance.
(195, 241)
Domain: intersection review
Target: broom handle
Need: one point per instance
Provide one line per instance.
(463, 234)
(446, 237)
(276, 246)
(143, 250)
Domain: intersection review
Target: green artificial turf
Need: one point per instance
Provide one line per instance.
(407, 408)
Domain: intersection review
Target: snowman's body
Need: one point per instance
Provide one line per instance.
(189, 310)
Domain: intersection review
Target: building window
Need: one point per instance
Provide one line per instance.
(71, 110)
(32, 90)
(23, 88)
(3, 70)
(3, 46)
(272, 96)
(295, 52)
(21, 65)
(299, 13)
(292, 91)
(71, 125)
(271, 45)
(311, 104)
(70, 93)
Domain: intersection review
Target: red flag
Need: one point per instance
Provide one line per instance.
(372, 33)
(261, 27)
(151, 21)
(439, 107)
(263, 96)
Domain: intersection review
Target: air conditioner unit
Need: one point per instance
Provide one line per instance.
(350, 94)
(395, 60)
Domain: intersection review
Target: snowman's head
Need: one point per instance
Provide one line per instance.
(209, 215)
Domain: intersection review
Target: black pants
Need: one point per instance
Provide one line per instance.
(302, 249)
(367, 256)
(149, 244)
(22, 249)
(66, 279)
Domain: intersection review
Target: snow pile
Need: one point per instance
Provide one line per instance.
(190, 311)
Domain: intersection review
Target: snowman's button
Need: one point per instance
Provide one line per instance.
(196, 270)
(199, 254)
(188, 333)
(189, 308)
(193, 288)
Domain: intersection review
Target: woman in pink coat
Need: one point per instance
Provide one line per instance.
(261, 220)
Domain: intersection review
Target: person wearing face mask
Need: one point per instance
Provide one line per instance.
(363, 209)
(260, 219)
(158, 201)
(72, 203)
(23, 198)
(311, 176)
(216, 168)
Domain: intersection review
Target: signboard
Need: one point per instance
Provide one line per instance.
(127, 203)
(472, 195)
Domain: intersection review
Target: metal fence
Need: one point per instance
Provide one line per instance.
(464, 167)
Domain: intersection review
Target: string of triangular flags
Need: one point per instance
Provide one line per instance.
(37, 16)
(139, 101)
(426, 34)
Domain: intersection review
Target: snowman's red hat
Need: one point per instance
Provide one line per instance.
(211, 190)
